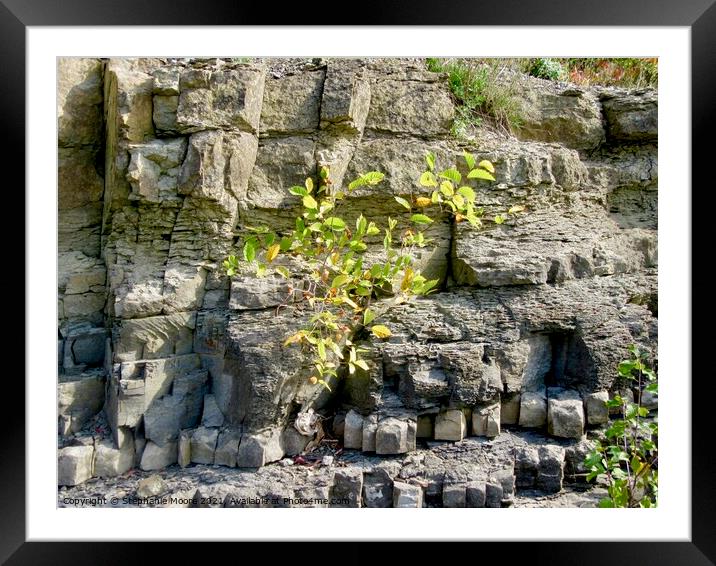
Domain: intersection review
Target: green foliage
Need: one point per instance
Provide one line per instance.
(625, 72)
(476, 85)
(342, 283)
(547, 69)
(627, 459)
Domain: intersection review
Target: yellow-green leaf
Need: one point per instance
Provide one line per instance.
(272, 252)
(452, 174)
(487, 165)
(403, 202)
(422, 202)
(294, 338)
(480, 174)
(361, 364)
(310, 202)
(499, 219)
(468, 193)
(335, 223)
(447, 188)
(430, 160)
(459, 200)
(283, 271)
(381, 331)
(340, 280)
(368, 317)
(421, 219)
(321, 346)
(515, 209)
(309, 184)
(427, 179)
(469, 159)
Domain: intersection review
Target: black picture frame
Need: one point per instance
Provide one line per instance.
(698, 15)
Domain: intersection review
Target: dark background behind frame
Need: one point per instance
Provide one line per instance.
(700, 15)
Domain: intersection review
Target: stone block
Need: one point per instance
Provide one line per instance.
(346, 97)
(533, 409)
(406, 495)
(391, 436)
(293, 442)
(152, 486)
(551, 469)
(493, 495)
(225, 99)
(454, 494)
(475, 494)
(353, 430)
(184, 448)
(203, 445)
(74, 465)
(347, 484)
(164, 114)
(506, 478)
(110, 461)
(227, 448)
(291, 103)
(632, 117)
(595, 405)
(377, 489)
(79, 398)
(486, 420)
(370, 429)
(526, 466)
(155, 457)
(419, 108)
(257, 450)
(565, 414)
(425, 428)
(211, 415)
(510, 409)
(450, 425)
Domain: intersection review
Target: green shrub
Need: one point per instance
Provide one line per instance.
(342, 284)
(480, 93)
(627, 458)
(550, 69)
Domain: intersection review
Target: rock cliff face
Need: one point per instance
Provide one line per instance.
(160, 160)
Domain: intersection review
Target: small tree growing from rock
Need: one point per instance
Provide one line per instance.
(347, 290)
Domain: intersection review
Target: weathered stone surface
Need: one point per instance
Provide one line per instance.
(410, 107)
(510, 410)
(370, 429)
(506, 478)
(164, 114)
(154, 169)
(347, 484)
(293, 442)
(391, 436)
(533, 409)
(280, 163)
(226, 99)
(493, 495)
(632, 117)
(595, 405)
(450, 425)
(110, 461)
(455, 494)
(184, 448)
(80, 397)
(565, 414)
(527, 466)
(377, 489)
(203, 445)
(79, 101)
(155, 457)
(227, 448)
(574, 456)
(486, 420)
(346, 96)
(551, 469)
(291, 104)
(74, 464)
(407, 496)
(425, 426)
(152, 486)
(154, 337)
(353, 431)
(259, 449)
(571, 117)
(211, 416)
(475, 494)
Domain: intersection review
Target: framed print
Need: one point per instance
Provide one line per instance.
(244, 215)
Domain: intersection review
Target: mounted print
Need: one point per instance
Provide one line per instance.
(376, 282)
